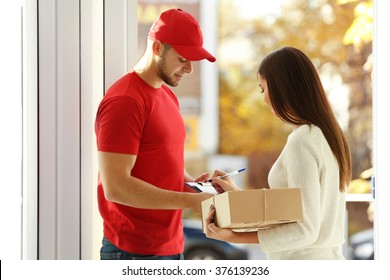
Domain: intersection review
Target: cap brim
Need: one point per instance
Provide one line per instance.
(193, 53)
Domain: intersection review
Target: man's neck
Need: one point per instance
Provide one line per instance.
(146, 70)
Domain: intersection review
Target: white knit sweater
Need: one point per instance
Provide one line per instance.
(307, 162)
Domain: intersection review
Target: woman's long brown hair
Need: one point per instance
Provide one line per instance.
(298, 97)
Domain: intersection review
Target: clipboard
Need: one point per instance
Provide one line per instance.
(202, 187)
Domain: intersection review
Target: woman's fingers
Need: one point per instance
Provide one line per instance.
(224, 184)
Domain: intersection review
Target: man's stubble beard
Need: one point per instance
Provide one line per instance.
(162, 71)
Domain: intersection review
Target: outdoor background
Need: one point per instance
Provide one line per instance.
(335, 34)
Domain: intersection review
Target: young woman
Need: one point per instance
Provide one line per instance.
(316, 158)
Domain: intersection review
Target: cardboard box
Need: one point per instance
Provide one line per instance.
(250, 210)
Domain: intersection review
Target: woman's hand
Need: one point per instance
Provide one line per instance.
(223, 185)
(214, 232)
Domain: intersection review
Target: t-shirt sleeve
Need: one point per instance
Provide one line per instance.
(119, 125)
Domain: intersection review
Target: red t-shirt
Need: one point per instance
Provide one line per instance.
(135, 118)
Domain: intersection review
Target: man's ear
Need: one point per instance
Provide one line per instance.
(157, 47)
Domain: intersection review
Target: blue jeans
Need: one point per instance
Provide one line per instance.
(110, 252)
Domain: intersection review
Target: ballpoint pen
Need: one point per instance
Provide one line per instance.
(229, 174)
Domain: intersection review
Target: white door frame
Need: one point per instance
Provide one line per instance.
(381, 117)
(59, 129)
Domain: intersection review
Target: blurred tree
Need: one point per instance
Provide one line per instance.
(358, 40)
(335, 34)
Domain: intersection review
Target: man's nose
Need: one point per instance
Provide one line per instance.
(188, 66)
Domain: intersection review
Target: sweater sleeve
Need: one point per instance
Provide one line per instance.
(300, 165)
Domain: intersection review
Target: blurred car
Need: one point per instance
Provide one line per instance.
(199, 247)
(361, 245)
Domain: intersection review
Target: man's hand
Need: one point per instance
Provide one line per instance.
(197, 199)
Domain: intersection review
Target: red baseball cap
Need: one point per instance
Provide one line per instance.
(180, 30)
